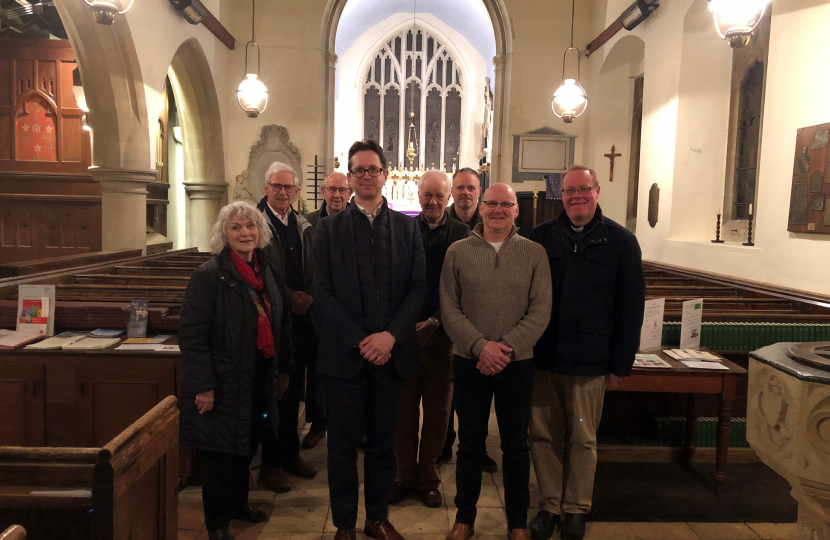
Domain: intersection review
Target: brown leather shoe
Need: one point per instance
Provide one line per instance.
(275, 480)
(517, 534)
(432, 498)
(461, 531)
(399, 493)
(298, 467)
(345, 534)
(382, 530)
(312, 438)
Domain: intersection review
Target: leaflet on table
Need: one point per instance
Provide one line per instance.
(103, 332)
(35, 309)
(691, 323)
(156, 347)
(9, 339)
(698, 364)
(650, 361)
(92, 343)
(158, 339)
(690, 354)
(651, 333)
(58, 342)
(139, 312)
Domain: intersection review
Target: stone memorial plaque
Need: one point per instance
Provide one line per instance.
(542, 155)
(810, 183)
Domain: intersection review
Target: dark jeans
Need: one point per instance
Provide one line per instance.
(225, 476)
(473, 394)
(368, 399)
(305, 348)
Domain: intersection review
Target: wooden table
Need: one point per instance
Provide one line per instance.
(682, 379)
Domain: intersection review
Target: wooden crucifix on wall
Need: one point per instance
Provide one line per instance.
(611, 156)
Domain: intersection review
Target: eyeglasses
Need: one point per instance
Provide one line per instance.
(282, 187)
(333, 190)
(494, 204)
(374, 172)
(582, 190)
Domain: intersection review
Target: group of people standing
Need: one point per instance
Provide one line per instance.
(376, 316)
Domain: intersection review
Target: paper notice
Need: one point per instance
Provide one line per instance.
(651, 334)
(691, 323)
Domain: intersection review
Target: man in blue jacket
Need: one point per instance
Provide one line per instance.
(594, 332)
(369, 288)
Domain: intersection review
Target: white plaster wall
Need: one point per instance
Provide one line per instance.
(686, 97)
(351, 68)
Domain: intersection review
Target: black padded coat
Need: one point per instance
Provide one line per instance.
(217, 336)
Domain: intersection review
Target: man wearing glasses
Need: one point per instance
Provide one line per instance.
(495, 301)
(336, 192)
(594, 332)
(369, 288)
(291, 247)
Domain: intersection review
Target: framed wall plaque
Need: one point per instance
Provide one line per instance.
(809, 209)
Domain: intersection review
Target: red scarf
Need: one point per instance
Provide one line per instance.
(252, 278)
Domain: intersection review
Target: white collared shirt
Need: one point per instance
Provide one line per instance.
(370, 215)
(284, 220)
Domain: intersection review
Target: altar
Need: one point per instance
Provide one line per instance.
(401, 190)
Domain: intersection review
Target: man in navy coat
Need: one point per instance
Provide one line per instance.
(369, 287)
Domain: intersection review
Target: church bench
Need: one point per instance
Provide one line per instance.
(92, 315)
(124, 489)
(23, 268)
(152, 271)
(15, 532)
(117, 279)
(695, 290)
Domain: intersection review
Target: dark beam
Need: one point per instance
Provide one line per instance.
(212, 24)
(606, 34)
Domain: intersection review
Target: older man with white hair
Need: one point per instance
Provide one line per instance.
(432, 384)
(291, 245)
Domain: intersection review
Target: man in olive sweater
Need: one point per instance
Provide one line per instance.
(495, 302)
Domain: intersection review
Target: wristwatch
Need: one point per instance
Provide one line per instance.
(434, 321)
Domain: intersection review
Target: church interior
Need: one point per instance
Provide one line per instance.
(126, 125)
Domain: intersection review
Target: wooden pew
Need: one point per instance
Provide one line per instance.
(15, 532)
(125, 490)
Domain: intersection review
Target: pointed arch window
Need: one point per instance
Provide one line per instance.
(414, 71)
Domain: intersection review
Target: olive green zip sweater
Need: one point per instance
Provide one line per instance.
(489, 296)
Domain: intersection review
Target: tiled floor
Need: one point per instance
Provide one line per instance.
(304, 513)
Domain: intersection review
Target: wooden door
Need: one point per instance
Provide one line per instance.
(21, 403)
(113, 396)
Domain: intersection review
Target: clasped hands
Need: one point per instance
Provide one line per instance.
(377, 348)
(493, 358)
(300, 302)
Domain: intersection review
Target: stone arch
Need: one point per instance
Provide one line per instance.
(204, 156)
(502, 149)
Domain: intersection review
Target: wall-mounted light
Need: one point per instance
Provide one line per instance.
(252, 93)
(105, 11)
(637, 13)
(570, 99)
(735, 20)
(191, 10)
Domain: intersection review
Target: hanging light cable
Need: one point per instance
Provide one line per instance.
(570, 99)
(411, 147)
(252, 93)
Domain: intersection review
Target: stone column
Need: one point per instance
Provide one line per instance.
(501, 159)
(123, 206)
(788, 425)
(205, 201)
(327, 75)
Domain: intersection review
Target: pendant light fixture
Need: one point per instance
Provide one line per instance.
(735, 20)
(570, 99)
(252, 93)
(105, 11)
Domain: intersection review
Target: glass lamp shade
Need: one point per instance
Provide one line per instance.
(736, 19)
(252, 95)
(569, 100)
(105, 11)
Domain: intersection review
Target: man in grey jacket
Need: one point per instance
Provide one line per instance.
(495, 301)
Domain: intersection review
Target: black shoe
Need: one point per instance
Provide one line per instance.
(313, 437)
(573, 527)
(250, 514)
(443, 458)
(220, 534)
(489, 465)
(541, 527)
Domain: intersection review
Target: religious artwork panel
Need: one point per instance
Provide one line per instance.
(809, 211)
(391, 125)
(371, 114)
(432, 152)
(452, 131)
(35, 131)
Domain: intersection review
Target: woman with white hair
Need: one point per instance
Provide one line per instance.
(235, 336)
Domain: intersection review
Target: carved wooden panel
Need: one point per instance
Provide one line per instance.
(371, 114)
(391, 121)
(452, 130)
(35, 130)
(432, 149)
(413, 98)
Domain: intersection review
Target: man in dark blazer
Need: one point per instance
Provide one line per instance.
(369, 288)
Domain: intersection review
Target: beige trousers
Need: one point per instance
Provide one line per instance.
(564, 416)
